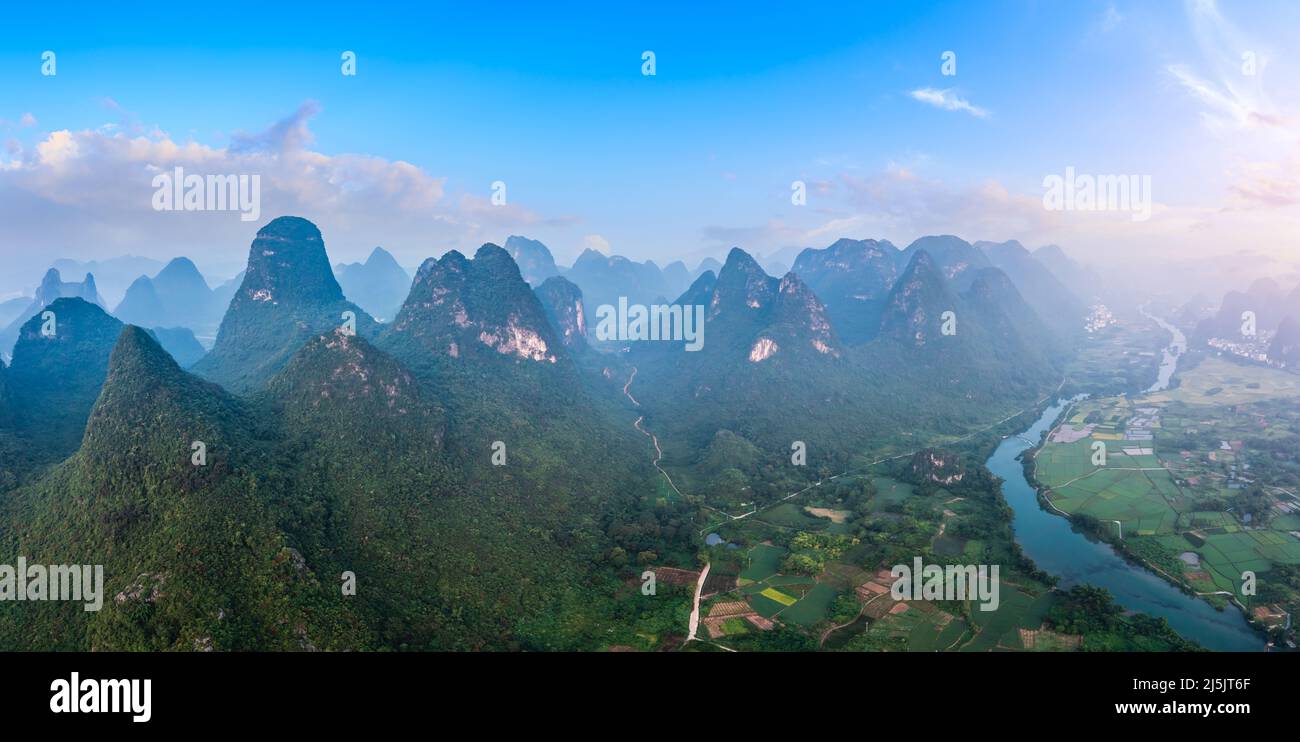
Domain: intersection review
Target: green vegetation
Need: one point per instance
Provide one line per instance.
(1121, 357)
(1198, 482)
(1092, 613)
(372, 454)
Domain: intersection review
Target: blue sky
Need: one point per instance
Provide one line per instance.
(701, 156)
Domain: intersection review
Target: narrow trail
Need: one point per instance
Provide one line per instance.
(628, 385)
(659, 452)
(694, 626)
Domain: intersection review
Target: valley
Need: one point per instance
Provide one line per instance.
(541, 475)
(1171, 480)
(344, 344)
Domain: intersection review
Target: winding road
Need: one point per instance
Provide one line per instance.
(694, 625)
(659, 453)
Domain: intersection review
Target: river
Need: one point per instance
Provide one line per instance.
(1057, 548)
(1172, 353)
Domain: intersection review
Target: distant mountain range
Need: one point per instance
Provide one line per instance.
(1247, 318)
(536, 264)
(1285, 346)
(52, 287)
(177, 296)
(1055, 303)
(113, 275)
(12, 309)
(853, 277)
(604, 278)
(378, 285)
(1084, 282)
(477, 462)
(775, 369)
(1264, 299)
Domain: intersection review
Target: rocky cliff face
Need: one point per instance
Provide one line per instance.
(460, 308)
(915, 306)
(562, 301)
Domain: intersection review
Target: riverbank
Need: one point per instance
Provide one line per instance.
(1095, 528)
(1059, 547)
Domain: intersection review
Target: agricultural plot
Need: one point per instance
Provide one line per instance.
(790, 515)
(1139, 500)
(835, 521)
(1059, 463)
(1233, 553)
(936, 630)
(764, 561)
(1176, 469)
(765, 606)
(903, 625)
(922, 626)
(823, 567)
(793, 598)
(974, 550)
(813, 607)
(1000, 629)
(773, 594)
(1132, 487)
(1287, 523)
(1217, 381)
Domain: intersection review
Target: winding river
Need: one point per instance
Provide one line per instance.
(1173, 352)
(1057, 548)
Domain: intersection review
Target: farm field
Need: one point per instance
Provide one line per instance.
(814, 581)
(787, 597)
(1176, 485)
(764, 560)
(1217, 381)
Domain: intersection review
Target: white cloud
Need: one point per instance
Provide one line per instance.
(900, 204)
(948, 100)
(71, 192)
(1255, 125)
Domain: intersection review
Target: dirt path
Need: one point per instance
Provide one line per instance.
(659, 453)
(628, 385)
(861, 611)
(833, 629)
(695, 611)
(694, 625)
